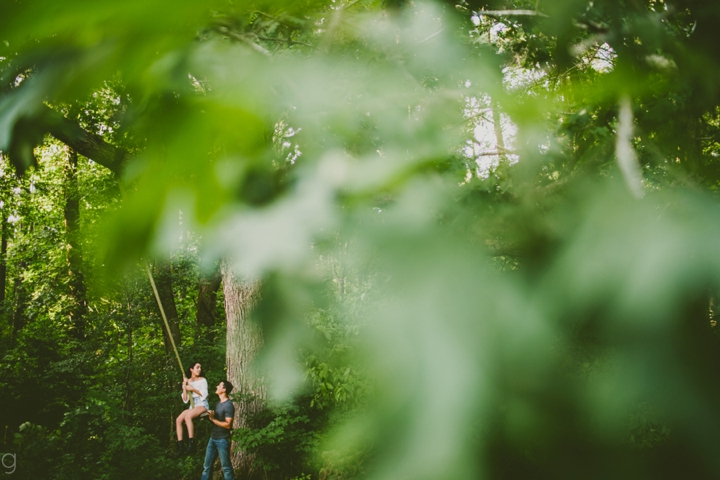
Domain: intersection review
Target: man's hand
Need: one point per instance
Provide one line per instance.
(211, 414)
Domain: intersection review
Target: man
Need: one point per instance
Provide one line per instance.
(219, 443)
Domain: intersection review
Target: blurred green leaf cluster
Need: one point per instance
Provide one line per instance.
(485, 230)
(282, 438)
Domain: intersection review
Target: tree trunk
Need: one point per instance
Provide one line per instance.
(129, 364)
(163, 282)
(497, 127)
(73, 253)
(3, 259)
(244, 340)
(5, 192)
(208, 285)
(21, 297)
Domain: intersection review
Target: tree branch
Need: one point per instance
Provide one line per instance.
(280, 40)
(83, 142)
(512, 13)
(244, 38)
(494, 153)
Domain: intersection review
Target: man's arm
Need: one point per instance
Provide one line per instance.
(227, 423)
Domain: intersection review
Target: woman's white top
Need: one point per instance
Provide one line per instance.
(201, 386)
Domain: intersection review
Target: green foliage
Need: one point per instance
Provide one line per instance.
(35, 438)
(647, 427)
(94, 407)
(336, 378)
(282, 438)
(484, 231)
(339, 465)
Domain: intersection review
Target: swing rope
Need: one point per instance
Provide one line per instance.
(167, 326)
(162, 310)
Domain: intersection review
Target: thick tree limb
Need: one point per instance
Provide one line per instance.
(83, 142)
(493, 153)
(511, 13)
(244, 38)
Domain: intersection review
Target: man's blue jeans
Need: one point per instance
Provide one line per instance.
(215, 447)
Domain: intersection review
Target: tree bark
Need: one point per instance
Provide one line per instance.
(163, 281)
(83, 142)
(73, 252)
(129, 364)
(4, 232)
(208, 285)
(244, 340)
(497, 127)
(21, 295)
(3, 257)
(21, 299)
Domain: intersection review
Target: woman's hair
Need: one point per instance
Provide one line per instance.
(192, 365)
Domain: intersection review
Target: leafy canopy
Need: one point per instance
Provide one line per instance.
(526, 316)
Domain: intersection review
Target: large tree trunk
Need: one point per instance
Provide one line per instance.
(73, 252)
(244, 339)
(163, 281)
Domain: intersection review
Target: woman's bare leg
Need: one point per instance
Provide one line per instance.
(179, 424)
(189, 416)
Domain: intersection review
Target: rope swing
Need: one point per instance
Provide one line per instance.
(167, 326)
(162, 310)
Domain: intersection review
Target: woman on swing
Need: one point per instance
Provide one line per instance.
(197, 387)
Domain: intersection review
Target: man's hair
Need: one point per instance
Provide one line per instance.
(228, 386)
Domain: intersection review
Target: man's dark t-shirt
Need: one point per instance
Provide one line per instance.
(223, 410)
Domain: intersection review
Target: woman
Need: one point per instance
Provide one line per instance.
(197, 387)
